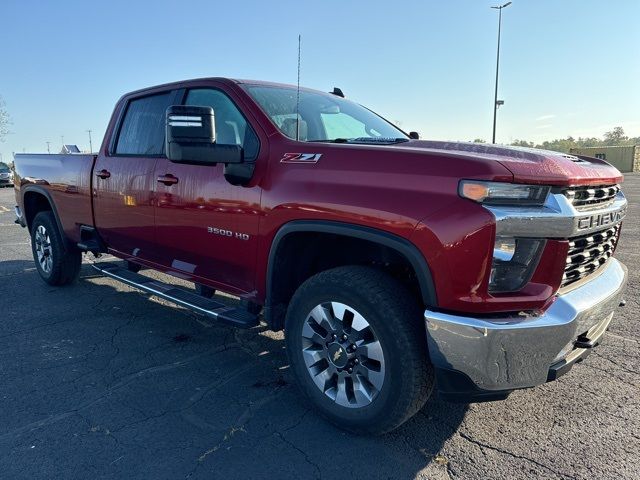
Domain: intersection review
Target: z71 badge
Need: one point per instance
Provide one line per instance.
(301, 158)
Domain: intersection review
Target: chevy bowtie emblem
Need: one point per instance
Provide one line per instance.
(336, 355)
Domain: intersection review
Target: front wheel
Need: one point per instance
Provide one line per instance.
(55, 264)
(357, 346)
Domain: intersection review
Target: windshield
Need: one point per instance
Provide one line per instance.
(323, 117)
(4, 170)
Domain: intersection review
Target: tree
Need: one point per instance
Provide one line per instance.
(615, 137)
(479, 140)
(4, 121)
(523, 143)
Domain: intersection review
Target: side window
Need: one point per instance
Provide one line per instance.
(142, 130)
(231, 126)
(601, 156)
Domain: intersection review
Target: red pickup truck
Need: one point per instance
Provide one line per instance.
(394, 265)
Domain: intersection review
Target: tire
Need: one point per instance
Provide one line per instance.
(390, 380)
(55, 263)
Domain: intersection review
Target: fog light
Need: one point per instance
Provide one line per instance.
(514, 261)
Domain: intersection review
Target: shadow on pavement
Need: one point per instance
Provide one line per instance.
(97, 378)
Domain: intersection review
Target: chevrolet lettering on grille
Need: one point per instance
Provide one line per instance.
(601, 219)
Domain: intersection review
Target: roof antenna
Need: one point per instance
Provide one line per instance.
(298, 94)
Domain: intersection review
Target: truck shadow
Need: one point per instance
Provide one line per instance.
(217, 395)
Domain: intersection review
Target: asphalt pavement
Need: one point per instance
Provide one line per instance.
(98, 381)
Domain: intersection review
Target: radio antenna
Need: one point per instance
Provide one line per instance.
(298, 94)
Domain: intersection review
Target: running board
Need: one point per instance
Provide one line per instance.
(230, 315)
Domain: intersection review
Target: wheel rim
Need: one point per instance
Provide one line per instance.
(43, 249)
(343, 354)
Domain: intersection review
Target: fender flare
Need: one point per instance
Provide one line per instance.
(45, 193)
(403, 246)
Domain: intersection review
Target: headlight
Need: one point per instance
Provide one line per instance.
(514, 261)
(498, 193)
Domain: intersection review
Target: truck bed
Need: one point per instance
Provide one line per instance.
(65, 178)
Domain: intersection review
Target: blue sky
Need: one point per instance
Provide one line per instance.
(568, 67)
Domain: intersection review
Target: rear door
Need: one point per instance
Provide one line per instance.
(207, 228)
(124, 179)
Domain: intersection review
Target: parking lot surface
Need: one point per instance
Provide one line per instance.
(97, 381)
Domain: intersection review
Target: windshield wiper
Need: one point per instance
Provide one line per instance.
(382, 140)
(377, 140)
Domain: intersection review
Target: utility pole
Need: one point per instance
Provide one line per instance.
(48, 147)
(90, 144)
(495, 99)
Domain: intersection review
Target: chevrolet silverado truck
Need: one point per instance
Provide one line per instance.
(396, 267)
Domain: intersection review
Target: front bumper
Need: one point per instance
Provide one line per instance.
(488, 357)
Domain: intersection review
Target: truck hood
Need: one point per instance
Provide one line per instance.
(530, 165)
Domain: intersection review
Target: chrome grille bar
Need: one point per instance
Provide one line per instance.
(588, 253)
(588, 197)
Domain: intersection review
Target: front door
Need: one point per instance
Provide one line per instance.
(206, 227)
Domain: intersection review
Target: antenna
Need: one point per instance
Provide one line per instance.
(298, 93)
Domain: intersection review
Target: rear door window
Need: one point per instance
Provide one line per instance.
(143, 128)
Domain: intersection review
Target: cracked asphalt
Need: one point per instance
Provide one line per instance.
(97, 381)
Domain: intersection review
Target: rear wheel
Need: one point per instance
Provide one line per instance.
(55, 264)
(357, 347)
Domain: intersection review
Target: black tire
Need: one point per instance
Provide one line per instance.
(396, 320)
(64, 264)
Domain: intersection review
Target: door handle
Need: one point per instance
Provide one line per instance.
(103, 174)
(167, 179)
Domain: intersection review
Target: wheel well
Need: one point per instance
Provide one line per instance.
(34, 203)
(300, 255)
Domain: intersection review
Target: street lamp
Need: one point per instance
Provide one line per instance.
(90, 143)
(495, 99)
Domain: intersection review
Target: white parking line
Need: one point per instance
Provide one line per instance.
(4, 209)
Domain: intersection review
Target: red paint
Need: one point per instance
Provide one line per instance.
(409, 189)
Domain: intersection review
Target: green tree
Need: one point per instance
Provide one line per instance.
(479, 140)
(523, 143)
(615, 137)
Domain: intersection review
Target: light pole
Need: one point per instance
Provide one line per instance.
(90, 144)
(495, 99)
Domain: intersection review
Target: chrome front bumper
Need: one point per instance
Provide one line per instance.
(498, 354)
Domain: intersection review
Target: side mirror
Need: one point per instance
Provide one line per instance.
(414, 135)
(191, 138)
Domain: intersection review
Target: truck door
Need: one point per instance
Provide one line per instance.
(206, 228)
(124, 179)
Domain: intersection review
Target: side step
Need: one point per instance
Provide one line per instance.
(213, 309)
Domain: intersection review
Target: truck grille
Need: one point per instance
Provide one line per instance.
(588, 197)
(588, 253)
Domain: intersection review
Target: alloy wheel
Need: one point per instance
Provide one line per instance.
(43, 249)
(343, 354)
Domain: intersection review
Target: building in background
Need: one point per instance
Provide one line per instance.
(624, 158)
(66, 149)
